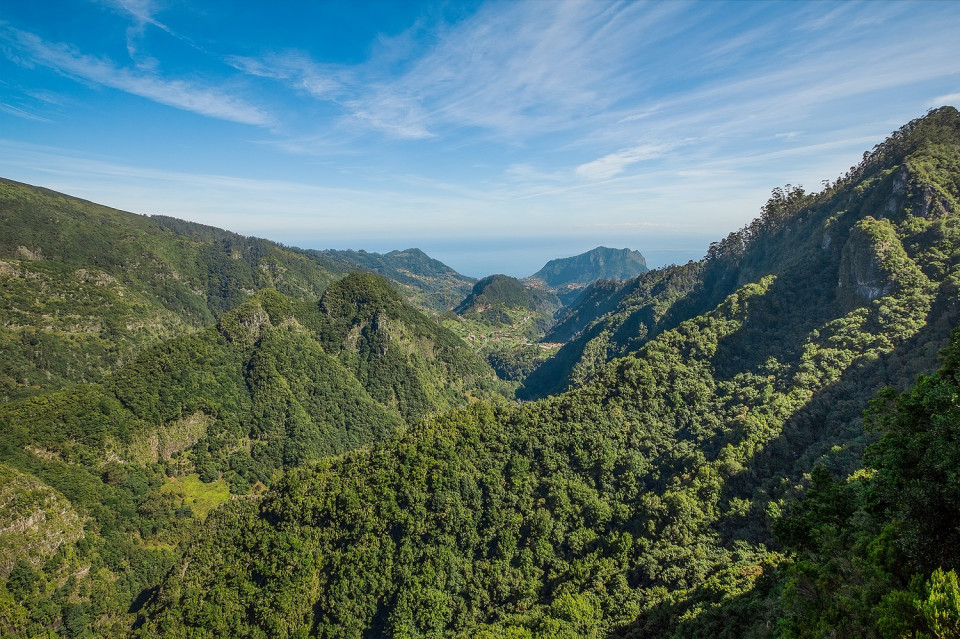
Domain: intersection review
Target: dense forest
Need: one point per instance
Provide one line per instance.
(208, 435)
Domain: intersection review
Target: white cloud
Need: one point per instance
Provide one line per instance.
(949, 99)
(21, 113)
(515, 70)
(144, 11)
(616, 163)
(184, 95)
(262, 207)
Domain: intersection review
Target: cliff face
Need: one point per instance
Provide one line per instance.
(34, 520)
(860, 269)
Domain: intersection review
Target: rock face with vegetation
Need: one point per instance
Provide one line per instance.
(696, 463)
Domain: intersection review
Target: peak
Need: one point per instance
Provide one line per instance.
(938, 126)
(496, 277)
(358, 294)
(599, 263)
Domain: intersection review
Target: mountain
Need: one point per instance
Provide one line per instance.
(153, 369)
(86, 287)
(601, 263)
(702, 475)
(492, 296)
(504, 318)
(828, 251)
(276, 383)
(438, 286)
(106, 480)
(403, 358)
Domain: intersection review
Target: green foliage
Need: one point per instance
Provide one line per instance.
(635, 504)
(425, 281)
(402, 358)
(494, 297)
(876, 554)
(222, 407)
(34, 523)
(84, 287)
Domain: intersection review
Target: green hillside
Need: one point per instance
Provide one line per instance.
(84, 287)
(431, 283)
(403, 358)
(144, 455)
(832, 252)
(504, 318)
(494, 295)
(659, 496)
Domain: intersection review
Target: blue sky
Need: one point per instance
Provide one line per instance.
(494, 135)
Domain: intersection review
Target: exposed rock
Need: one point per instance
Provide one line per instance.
(35, 520)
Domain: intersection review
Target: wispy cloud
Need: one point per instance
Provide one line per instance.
(522, 114)
(514, 70)
(189, 96)
(939, 101)
(296, 68)
(143, 11)
(616, 163)
(245, 205)
(21, 113)
(601, 73)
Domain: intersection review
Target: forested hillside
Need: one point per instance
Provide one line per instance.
(85, 287)
(506, 318)
(832, 252)
(494, 297)
(153, 367)
(316, 457)
(433, 284)
(277, 383)
(659, 496)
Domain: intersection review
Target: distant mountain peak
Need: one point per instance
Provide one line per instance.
(599, 263)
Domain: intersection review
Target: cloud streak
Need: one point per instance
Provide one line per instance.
(188, 96)
(616, 163)
(521, 114)
(513, 70)
(295, 68)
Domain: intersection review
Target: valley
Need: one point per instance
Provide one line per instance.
(207, 434)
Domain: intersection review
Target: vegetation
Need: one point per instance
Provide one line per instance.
(707, 470)
(427, 282)
(85, 287)
(148, 452)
